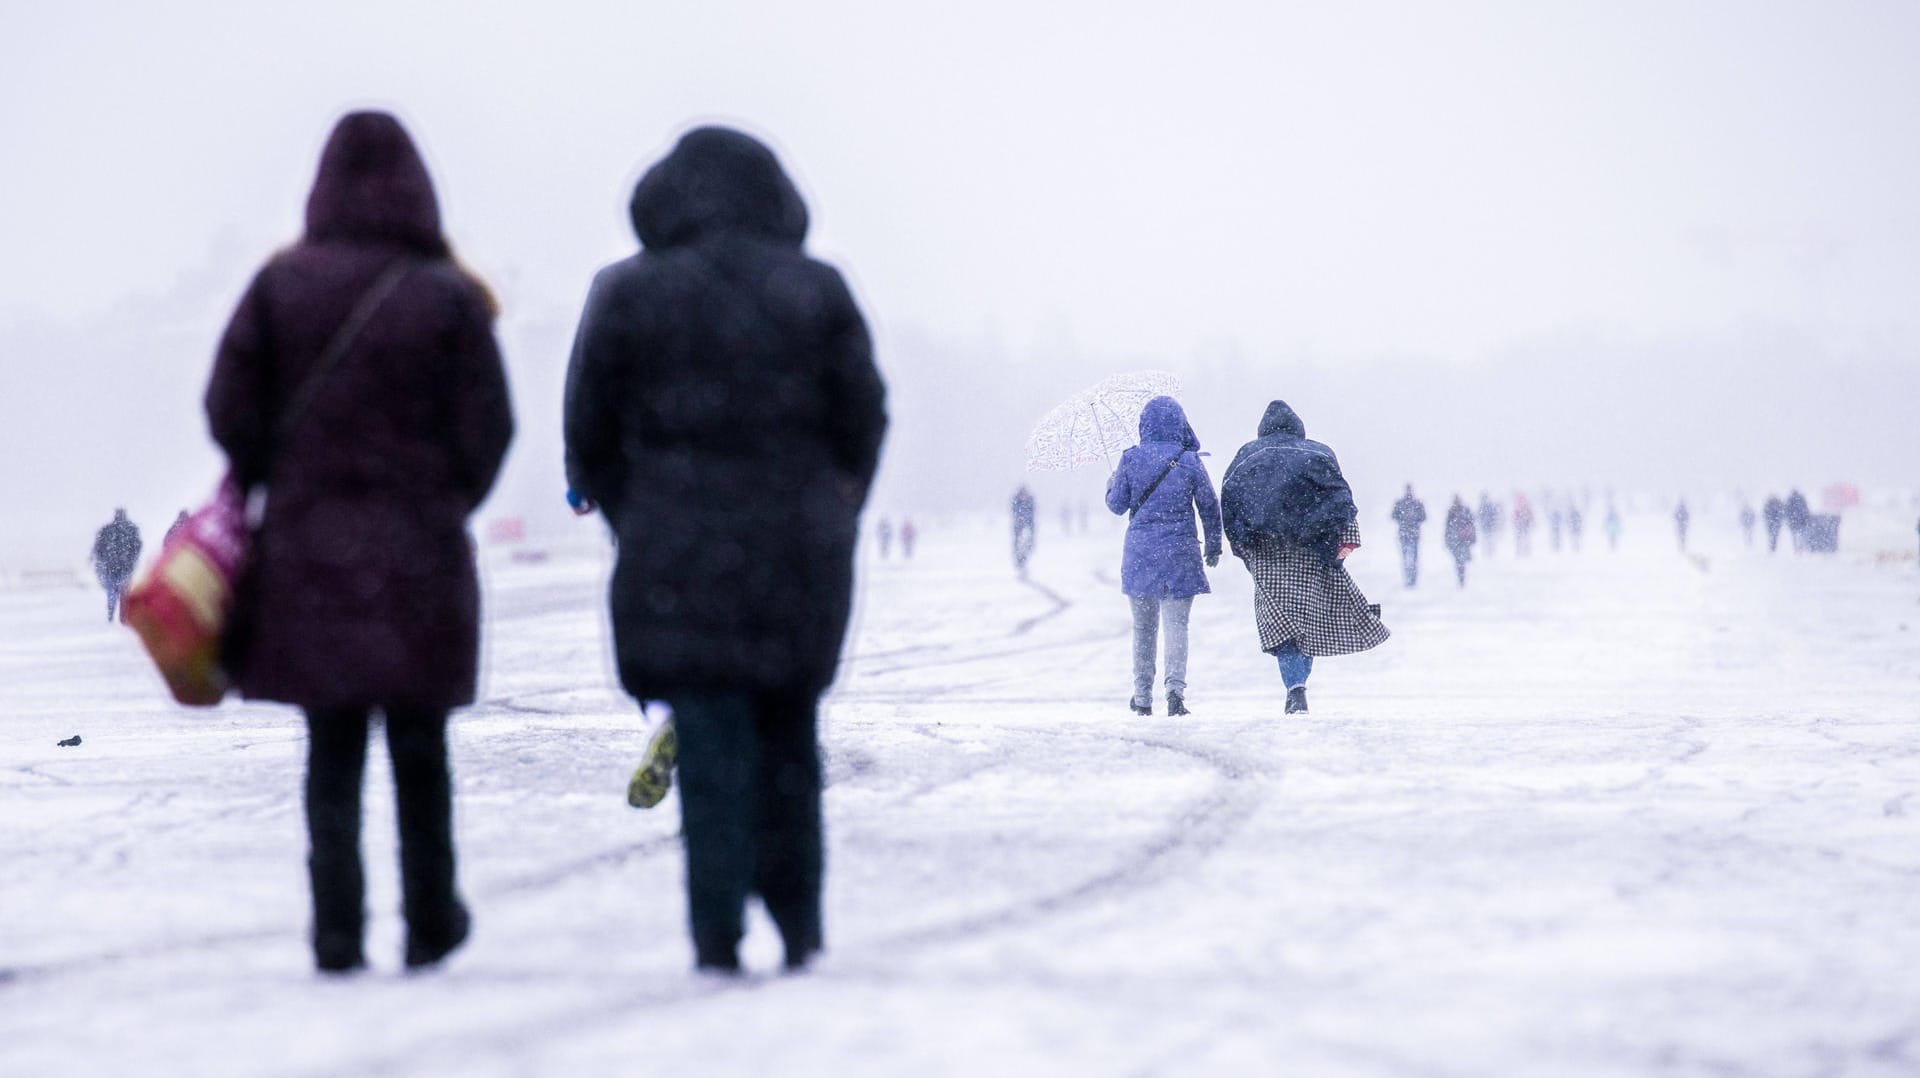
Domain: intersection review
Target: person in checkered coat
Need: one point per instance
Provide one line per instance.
(1289, 515)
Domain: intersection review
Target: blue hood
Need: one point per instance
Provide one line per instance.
(1163, 420)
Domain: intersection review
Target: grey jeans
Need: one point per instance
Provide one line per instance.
(1148, 613)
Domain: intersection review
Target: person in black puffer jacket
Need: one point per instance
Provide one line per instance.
(723, 411)
(1289, 515)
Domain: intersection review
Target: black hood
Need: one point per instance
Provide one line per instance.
(717, 181)
(1281, 419)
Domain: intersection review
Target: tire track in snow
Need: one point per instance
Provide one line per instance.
(1198, 828)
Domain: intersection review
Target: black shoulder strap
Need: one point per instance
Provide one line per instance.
(1155, 485)
(336, 349)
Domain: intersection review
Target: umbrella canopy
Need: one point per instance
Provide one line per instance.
(1097, 423)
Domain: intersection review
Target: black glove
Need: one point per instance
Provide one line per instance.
(1213, 559)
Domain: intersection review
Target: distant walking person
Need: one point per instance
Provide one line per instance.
(1613, 527)
(724, 413)
(1409, 514)
(116, 552)
(359, 387)
(1023, 528)
(1460, 537)
(1773, 514)
(1556, 523)
(1797, 517)
(1489, 521)
(1159, 485)
(884, 533)
(1575, 525)
(908, 533)
(1747, 522)
(1289, 515)
(1681, 518)
(1522, 525)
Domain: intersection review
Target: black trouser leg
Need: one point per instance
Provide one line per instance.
(790, 861)
(720, 764)
(423, 802)
(336, 761)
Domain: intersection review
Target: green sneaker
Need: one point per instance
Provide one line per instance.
(654, 777)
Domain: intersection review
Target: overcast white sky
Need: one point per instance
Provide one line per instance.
(1416, 182)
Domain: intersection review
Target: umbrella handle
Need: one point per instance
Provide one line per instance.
(1100, 434)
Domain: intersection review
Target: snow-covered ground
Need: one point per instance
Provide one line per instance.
(1597, 814)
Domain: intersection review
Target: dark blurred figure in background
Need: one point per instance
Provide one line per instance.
(1023, 528)
(1409, 513)
(1613, 526)
(1747, 519)
(908, 533)
(1556, 523)
(1681, 518)
(116, 552)
(1489, 521)
(1522, 524)
(1773, 514)
(1797, 516)
(1460, 537)
(1575, 525)
(884, 533)
(360, 387)
(723, 411)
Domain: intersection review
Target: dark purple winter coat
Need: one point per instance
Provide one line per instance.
(361, 589)
(1161, 559)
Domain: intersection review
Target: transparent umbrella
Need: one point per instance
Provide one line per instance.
(1097, 423)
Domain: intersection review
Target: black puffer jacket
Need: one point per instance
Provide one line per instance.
(1286, 488)
(723, 409)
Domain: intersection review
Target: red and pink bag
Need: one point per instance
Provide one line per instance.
(181, 604)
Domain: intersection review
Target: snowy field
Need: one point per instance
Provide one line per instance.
(1597, 814)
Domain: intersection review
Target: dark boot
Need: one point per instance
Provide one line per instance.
(1177, 704)
(427, 945)
(1140, 706)
(1297, 700)
(338, 952)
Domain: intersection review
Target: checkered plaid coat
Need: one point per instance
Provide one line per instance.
(1297, 597)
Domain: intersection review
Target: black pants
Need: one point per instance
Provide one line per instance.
(750, 808)
(423, 796)
(1410, 560)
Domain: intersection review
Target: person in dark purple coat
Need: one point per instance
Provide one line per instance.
(1161, 483)
(361, 592)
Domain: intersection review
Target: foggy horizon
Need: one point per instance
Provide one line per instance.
(1667, 251)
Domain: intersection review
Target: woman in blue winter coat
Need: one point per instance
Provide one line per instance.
(1161, 482)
